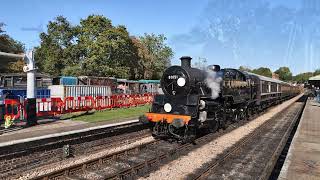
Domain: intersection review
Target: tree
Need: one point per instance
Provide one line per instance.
(160, 53)
(303, 77)
(53, 54)
(8, 44)
(284, 73)
(97, 48)
(245, 68)
(145, 59)
(316, 72)
(107, 50)
(263, 71)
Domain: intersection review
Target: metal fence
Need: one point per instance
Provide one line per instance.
(47, 107)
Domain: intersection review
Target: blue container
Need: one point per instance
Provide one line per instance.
(65, 80)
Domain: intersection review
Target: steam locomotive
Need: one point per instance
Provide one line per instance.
(197, 100)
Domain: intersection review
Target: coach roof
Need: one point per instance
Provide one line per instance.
(263, 78)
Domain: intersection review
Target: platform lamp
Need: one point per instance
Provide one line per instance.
(30, 69)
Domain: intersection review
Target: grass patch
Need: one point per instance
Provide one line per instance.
(108, 115)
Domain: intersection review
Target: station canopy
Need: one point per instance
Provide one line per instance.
(315, 80)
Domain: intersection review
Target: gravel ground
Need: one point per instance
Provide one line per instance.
(178, 169)
(251, 160)
(78, 160)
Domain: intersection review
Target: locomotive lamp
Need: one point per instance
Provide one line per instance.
(167, 107)
(181, 82)
(202, 104)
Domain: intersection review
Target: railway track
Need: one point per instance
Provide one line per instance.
(255, 155)
(140, 160)
(134, 162)
(23, 157)
(129, 163)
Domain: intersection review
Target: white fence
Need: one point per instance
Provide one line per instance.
(63, 91)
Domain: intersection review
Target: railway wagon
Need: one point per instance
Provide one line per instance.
(15, 84)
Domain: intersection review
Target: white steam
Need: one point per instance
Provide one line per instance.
(213, 82)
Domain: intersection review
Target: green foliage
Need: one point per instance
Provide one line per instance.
(8, 44)
(284, 73)
(56, 50)
(245, 68)
(97, 48)
(159, 53)
(303, 77)
(263, 71)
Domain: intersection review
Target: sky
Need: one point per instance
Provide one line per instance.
(226, 32)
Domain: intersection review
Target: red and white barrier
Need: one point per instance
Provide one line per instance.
(12, 108)
(55, 106)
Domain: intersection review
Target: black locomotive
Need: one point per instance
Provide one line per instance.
(205, 100)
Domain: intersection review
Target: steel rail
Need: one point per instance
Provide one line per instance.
(38, 151)
(73, 172)
(238, 147)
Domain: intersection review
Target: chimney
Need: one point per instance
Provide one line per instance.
(186, 61)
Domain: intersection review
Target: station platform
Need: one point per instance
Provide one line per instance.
(54, 127)
(303, 158)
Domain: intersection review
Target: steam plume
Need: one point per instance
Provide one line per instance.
(213, 82)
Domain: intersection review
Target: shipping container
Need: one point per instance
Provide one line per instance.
(65, 80)
(63, 91)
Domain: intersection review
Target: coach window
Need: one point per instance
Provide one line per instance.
(39, 82)
(19, 81)
(8, 82)
(265, 87)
